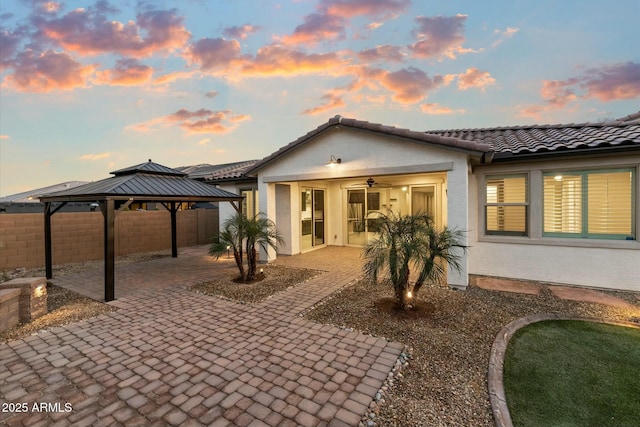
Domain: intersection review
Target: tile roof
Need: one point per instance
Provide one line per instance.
(227, 171)
(539, 139)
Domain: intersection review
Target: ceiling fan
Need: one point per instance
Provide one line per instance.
(370, 183)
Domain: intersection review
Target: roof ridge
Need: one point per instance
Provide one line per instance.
(623, 121)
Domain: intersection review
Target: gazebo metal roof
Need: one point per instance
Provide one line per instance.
(144, 182)
(150, 182)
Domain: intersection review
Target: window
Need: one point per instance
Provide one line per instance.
(589, 204)
(249, 203)
(506, 207)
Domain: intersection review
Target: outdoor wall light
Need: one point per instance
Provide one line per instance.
(333, 161)
(370, 182)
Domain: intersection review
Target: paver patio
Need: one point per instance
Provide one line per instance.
(173, 357)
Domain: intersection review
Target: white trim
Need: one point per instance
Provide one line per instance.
(394, 170)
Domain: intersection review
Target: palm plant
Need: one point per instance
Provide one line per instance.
(262, 232)
(411, 242)
(241, 235)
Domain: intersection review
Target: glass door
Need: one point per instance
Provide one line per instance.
(312, 218)
(363, 210)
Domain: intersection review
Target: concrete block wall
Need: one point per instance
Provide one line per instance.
(79, 236)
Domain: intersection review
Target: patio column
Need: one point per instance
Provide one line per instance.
(458, 218)
(267, 194)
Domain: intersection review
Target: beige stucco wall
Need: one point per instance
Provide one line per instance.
(599, 263)
(80, 236)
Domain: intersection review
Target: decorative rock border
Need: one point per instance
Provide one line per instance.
(496, 359)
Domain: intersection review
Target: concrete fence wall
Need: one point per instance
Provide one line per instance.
(80, 236)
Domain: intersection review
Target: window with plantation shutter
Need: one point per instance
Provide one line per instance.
(589, 204)
(506, 205)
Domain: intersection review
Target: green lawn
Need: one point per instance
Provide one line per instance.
(573, 373)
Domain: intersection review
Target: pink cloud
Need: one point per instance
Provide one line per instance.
(214, 54)
(606, 83)
(474, 78)
(439, 36)
(437, 109)
(281, 60)
(240, 32)
(387, 53)
(9, 43)
(504, 35)
(171, 77)
(89, 32)
(127, 72)
(351, 8)
(409, 85)
(331, 19)
(47, 71)
(317, 27)
(200, 121)
(331, 101)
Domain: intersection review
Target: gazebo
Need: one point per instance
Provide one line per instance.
(147, 182)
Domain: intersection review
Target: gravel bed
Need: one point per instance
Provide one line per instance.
(273, 279)
(449, 334)
(63, 307)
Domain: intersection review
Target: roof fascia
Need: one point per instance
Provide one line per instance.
(552, 155)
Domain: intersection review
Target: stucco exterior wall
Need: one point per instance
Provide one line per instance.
(362, 155)
(598, 263)
(79, 236)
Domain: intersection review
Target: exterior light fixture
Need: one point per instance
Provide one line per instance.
(228, 251)
(370, 182)
(333, 161)
(409, 295)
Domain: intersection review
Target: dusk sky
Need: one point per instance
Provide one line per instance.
(88, 87)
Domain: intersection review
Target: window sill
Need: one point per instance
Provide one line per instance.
(555, 241)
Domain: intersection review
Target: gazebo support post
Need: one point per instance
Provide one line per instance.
(48, 253)
(47, 240)
(108, 210)
(174, 230)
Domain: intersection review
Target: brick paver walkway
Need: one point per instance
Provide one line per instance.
(173, 357)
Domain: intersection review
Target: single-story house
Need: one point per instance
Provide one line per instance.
(552, 203)
(29, 201)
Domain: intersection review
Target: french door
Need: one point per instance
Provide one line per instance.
(312, 215)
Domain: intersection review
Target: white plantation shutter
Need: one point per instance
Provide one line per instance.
(563, 203)
(610, 202)
(589, 203)
(506, 205)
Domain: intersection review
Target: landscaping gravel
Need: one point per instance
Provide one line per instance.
(450, 334)
(273, 279)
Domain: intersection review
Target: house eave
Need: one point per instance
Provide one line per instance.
(563, 154)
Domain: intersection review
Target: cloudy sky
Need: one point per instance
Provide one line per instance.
(88, 87)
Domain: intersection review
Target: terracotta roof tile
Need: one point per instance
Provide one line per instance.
(522, 140)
